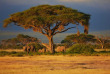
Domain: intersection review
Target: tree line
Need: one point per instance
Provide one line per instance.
(18, 42)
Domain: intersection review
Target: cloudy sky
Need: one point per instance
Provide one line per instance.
(98, 9)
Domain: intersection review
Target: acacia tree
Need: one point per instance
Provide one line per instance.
(20, 39)
(103, 40)
(82, 38)
(49, 20)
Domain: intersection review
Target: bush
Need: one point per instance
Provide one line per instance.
(17, 54)
(3, 53)
(107, 46)
(13, 53)
(80, 49)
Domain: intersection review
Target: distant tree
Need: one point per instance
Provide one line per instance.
(20, 39)
(103, 40)
(82, 38)
(25, 39)
(49, 20)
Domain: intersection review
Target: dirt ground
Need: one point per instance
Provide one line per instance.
(47, 64)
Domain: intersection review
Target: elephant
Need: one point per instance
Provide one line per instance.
(25, 48)
(42, 50)
(47, 49)
(60, 49)
(29, 48)
(32, 48)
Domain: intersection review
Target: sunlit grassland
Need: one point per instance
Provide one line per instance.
(98, 50)
(10, 50)
(48, 64)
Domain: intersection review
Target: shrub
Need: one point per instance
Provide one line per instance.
(17, 54)
(3, 53)
(80, 49)
(107, 46)
(13, 53)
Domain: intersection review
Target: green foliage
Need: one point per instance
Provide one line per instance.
(49, 20)
(18, 42)
(21, 54)
(17, 54)
(3, 53)
(24, 39)
(82, 38)
(67, 43)
(98, 46)
(74, 38)
(80, 49)
(107, 45)
(13, 53)
(22, 36)
(43, 16)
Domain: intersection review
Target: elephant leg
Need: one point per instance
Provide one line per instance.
(44, 50)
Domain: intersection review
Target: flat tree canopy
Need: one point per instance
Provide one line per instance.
(49, 20)
(82, 38)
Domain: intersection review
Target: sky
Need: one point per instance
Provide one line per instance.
(98, 9)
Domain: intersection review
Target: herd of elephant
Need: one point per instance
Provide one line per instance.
(29, 48)
(32, 48)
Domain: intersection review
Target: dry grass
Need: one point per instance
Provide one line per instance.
(21, 50)
(55, 65)
(98, 50)
(10, 50)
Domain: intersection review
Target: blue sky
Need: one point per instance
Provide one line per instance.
(98, 9)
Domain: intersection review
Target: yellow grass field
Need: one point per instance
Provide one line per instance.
(48, 64)
(21, 50)
(10, 50)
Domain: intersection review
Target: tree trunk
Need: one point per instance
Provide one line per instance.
(102, 46)
(51, 45)
(86, 27)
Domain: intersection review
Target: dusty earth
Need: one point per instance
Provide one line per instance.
(55, 65)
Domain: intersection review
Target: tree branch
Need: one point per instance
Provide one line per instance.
(67, 24)
(56, 27)
(63, 30)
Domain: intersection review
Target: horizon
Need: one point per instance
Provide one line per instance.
(57, 38)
